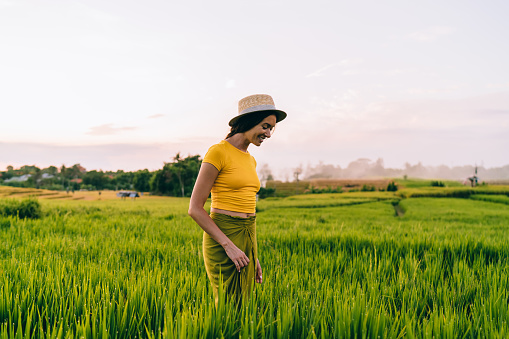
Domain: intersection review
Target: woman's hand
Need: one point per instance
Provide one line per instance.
(258, 273)
(238, 257)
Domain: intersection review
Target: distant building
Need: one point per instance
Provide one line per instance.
(128, 194)
(22, 178)
(77, 180)
(474, 180)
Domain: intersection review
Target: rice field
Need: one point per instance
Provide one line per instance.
(306, 186)
(335, 266)
(16, 192)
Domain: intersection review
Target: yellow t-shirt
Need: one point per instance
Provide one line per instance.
(237, 183)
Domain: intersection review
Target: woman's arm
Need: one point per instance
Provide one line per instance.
(206, 177)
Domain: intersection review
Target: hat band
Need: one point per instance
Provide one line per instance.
(257, 108)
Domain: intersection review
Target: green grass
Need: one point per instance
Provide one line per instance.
(452, 192)
(324, 200)
(418, 183)
(335, 265)
(502, 199)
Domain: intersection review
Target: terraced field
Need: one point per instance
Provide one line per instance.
(335, 265)
(15, 192)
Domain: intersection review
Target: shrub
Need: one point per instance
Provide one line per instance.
(5, 223)
(328, 189)
(368, 188)
(54, 187)
(25, 208)
(266, 192)
(392, 187)
(437, 184)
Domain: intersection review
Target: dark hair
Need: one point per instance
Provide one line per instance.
(247, 122)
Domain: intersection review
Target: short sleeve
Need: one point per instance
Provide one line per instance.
(215, 156)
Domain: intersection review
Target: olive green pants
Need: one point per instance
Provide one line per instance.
(242, 232)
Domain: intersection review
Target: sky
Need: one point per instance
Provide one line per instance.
(128, 84)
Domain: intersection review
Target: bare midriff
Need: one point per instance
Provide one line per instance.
(231, 213)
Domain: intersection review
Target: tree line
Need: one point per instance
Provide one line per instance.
(366, 168)
(176, 178)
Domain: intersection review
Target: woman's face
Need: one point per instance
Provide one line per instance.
(263, 130)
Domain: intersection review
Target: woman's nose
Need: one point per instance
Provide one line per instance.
(267, 133)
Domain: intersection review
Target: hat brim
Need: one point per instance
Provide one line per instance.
(280, 115)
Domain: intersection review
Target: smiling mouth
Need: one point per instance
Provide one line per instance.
(261, 138)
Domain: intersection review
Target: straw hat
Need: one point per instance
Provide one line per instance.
(255, 104)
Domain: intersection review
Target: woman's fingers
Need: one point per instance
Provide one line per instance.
(240, 264)
(259, 278)
(238, 257)
(243, 261)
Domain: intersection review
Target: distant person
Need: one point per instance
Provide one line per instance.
(228, 172)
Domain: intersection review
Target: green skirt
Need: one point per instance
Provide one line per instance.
(242, 232)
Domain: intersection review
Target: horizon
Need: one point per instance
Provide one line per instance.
(115, 85)
(362, 168)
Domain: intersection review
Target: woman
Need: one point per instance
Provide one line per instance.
(228, 172)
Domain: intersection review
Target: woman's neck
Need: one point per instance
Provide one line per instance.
(239, 141)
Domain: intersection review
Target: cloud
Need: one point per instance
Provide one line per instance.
(497, 86)
(126, 156)
(155, 116)
(320, 72)
(338, 107)
(96, 14)
(431, 33)
(388, 72)
(432, 90)
(230, 84)
(349, 125)
(108, 129)
(347, 69)
(495, 111)
(362, 114)
(7, 3)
